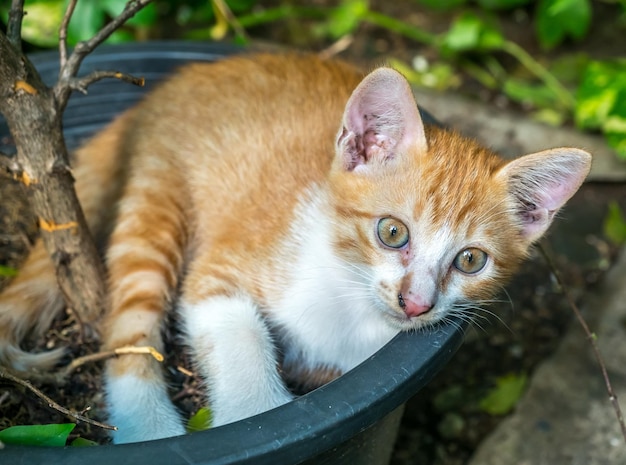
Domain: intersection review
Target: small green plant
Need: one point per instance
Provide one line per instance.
(505, 395)
(200, 421)
(54, 435)
(601, 101)
(615, 224)
(7, 272)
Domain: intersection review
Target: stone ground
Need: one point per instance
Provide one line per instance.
(565, 417)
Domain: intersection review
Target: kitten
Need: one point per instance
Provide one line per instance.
(298, 214)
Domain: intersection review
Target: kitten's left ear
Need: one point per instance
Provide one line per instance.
(380, 121)
(541, 183)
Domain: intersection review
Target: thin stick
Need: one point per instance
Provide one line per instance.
(52, 404)
(337, 47)
(62, 88)
(81, 84)
(105, 355)
(14, 25)
(60, 377)
(590, 337)
(67, 17)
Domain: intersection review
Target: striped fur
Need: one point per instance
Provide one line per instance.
(249, 192)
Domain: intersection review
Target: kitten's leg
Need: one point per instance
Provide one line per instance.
(235, 354)
(145, 258)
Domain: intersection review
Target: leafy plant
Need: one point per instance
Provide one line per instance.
(200, 421)
(37, 435)
(615, 224)
(505, 395)
(601, 101)
(558, 19)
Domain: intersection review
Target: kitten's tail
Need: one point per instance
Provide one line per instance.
(30, 303)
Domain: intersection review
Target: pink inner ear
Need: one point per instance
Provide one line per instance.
(542, 183)
(380, 120)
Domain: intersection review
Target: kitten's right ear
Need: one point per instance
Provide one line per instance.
(381, 120)
(541, 183)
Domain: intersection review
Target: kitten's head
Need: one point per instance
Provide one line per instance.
(432, 221)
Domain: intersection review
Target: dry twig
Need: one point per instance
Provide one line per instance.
(70, 65)
(81, 84)
(76, 416)
(107, 354)
(69, 11)
(590, 337)
(60, 377)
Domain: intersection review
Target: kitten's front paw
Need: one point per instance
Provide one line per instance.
(141, 410)
(233, 410)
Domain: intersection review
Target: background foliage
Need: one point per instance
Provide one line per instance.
(557, 88)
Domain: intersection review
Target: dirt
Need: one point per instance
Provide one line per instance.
(444, 423)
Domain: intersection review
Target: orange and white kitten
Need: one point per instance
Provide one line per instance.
(294, 213)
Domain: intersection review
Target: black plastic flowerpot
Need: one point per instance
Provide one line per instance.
(352, 420)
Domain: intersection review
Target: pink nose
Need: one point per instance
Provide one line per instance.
(413, 308)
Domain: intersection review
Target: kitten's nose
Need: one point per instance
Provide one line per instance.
(413, 308)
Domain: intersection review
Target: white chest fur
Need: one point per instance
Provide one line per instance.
(327, 316)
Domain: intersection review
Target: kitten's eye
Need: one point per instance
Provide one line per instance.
(393, 233)
(470, 261)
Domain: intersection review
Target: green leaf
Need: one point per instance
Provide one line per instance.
(37, 435)
(87, 20)
(345, 18)
(121, 36)
(617, 140)
(569, 69)
(537, 95)
(41, 22)
(145, 17)
(7, 272)
(470, 33)
(601, 102)
(505, 395)
(442, 5)
(615, 224)
(240, 6)
(601, 93)
(438, 76)
(502, 4)
(200, 421)
(559, 19)
(82, 442)
(550, 116)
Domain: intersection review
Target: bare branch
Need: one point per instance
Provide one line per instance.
(81, 84)
(105, 355)
(59, 378)
(14, 25)
(591, 338)
(63, 32)
(76, 416)
(62, 89)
